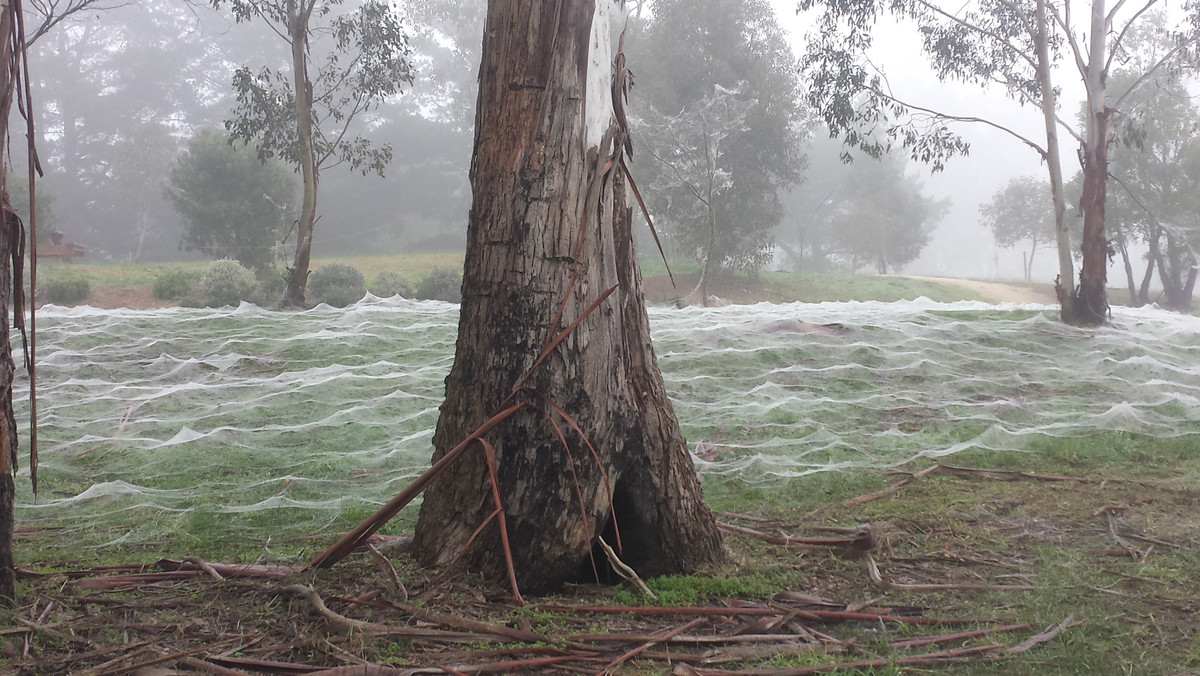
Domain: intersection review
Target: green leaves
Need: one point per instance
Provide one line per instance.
(366, 62)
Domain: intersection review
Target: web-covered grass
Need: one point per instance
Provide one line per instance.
(245, 433)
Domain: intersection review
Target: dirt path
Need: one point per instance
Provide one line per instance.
(1000, 292)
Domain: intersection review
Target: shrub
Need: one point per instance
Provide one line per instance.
(441, 284)
(173, 285)
(270, 288)
(389, 284)
(338, 284)
(226, 282)
(68, 291)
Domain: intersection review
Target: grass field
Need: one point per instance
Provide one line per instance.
(1012, 471)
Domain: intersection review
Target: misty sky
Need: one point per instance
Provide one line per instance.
(960, 246)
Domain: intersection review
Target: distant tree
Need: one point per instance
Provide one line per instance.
(1012, 44)
(424, 201)
(446, 50)
(307, 121)
(691, 148)
(687, 48)
(1021, 212)
(806, 233)
(233, 205)
(1156, 197)
(883, 220)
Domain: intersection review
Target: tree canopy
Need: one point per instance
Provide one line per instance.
(1010, 44)
(685, 50)
(1021, 213)
(306, 120)
(233, 205)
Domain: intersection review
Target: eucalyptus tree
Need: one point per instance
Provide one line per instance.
(232, 204)
(883, 220)
(1012, 45)
(114, 93)
(1155, 167)
(691, 147)
(685, 49)
(445, 45)
(556, 433)
(1019, 213)
(306, 120)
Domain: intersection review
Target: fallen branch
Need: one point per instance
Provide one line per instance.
(468, 624)
(856, 540)
(664, 636)
(716, 611)
(957, 636)
(204, 566)
(367, 527)
(890, 489)
(907, 660)
(1010, 475)
(376, 629)
(1038, 639)
(209, 667)
(386, 567)
(623, 570)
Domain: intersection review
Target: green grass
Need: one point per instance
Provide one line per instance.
(774, 286)
(413, 266)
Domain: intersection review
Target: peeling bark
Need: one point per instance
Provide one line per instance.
(537, 179)
(10, 234)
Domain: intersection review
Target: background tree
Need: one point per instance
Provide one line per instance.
(307, 121)
(805, 235)
(882, 219)
(232, 204)
(1156, 196)
(445, 43)
(691, 149)
(1011, 44)
(422, 204)
(686, 49)
(117, 89)
(1021, 213)
(593, 443)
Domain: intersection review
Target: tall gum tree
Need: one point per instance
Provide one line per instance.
(305, 117)
(595, 451)
(1012, 45)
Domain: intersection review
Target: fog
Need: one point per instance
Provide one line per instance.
(961, 245)
(108, 144)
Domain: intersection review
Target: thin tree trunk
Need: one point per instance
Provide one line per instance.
(1065, 284)
(541, 171)
(1171, 273)
(1153, 258)
(1129, 281)
(1029, 264)
(297, 278)
(10, 245)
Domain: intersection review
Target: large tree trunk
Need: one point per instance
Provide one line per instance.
(297, 278)
(1090, 306)
(10, 249)
(541, 173)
